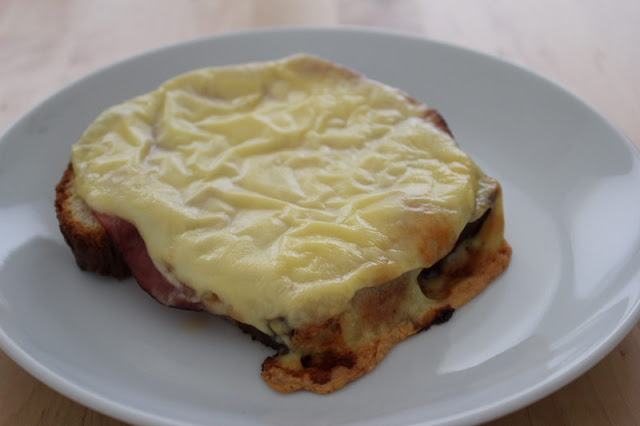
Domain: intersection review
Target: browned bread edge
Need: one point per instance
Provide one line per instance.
(89, 242)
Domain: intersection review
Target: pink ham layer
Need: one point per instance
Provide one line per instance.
(129, 242)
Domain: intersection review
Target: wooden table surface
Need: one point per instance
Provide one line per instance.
(590, 46)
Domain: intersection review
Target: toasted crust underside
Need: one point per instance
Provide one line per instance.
(93, 249)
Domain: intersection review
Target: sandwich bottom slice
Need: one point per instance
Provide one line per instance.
(328, 355)
(328, 215)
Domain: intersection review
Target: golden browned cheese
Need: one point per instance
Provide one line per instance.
(327, 356)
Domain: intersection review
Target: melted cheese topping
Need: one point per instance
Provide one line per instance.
(282, 187)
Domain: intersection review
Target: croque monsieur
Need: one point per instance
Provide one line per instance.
(328, 215)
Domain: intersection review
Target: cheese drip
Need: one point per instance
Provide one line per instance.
(282, 187)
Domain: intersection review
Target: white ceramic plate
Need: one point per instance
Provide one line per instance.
(569, 296)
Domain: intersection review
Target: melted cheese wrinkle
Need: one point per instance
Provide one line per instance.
(282, 187)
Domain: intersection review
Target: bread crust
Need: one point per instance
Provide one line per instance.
(91, 246)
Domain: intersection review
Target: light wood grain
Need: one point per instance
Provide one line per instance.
(589, 46)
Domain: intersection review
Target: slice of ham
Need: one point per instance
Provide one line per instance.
(129, 242)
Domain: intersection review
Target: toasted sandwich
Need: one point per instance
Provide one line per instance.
(328, 215)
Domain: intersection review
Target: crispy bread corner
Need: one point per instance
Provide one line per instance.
(89, 242)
